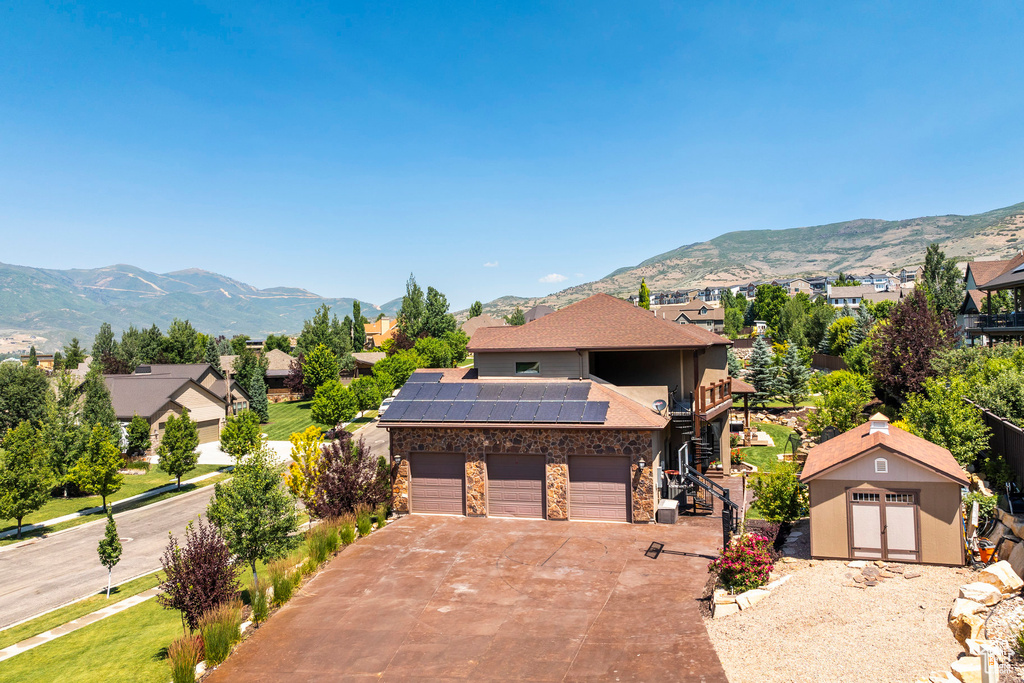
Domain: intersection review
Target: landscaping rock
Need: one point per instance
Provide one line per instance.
(879, 563)
(1002, 576)
(967, 669)
(961, 607)
(911, 574)
(725, 609)
(1015, 524)
(1005, 547)
(752, 597)
(985, 593)
(870, 572)
(857, 564)
(724, 597)
(1016, 559)
(885, 575)
(777, 582)
(980, 648)
(966, 627)
(860, 578)
(944, 677)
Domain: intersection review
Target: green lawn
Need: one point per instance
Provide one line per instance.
(764, 457)
(786, 404)
(287, 418)
(78, 609)
(134, 484)
(361, 421)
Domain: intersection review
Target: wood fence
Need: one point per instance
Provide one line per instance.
(821, 361)
(1007, 440)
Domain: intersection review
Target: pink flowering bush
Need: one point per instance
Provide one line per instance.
(745, 564)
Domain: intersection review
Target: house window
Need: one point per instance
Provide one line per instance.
(881, 466)
(866, 498)
(528, 368)
(899, 498)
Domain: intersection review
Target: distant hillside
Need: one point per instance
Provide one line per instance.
(857, 246)
(61, 303)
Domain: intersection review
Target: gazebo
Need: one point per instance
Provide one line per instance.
(739, 387)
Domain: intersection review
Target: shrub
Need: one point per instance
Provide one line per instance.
(219, 629)
(778, 495)
(347, 532)
(282, 580)
(199, 575)
(184, 654)
(745, 564)
(996, 471)
(382, 515)
(259, 602)
(986, 504)
(318, 541)
(364, 522)
(333, 403)
(348, 476)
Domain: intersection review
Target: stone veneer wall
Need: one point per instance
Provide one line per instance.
(555, 444)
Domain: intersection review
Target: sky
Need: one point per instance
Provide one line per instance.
(490, 148)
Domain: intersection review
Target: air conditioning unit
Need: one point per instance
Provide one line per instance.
(668, 511)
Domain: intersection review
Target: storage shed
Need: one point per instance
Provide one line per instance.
(878, 492)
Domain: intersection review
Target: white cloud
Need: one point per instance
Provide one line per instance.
(579, 275)
(491, 264)
(552, 278)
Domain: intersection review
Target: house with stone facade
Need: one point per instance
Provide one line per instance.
(579, 414)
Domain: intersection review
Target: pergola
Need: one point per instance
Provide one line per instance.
(742, 388)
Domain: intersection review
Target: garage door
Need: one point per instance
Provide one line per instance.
(436, 482)
(515, 485)
(208, 431)
(599, 488)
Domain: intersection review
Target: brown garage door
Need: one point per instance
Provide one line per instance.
(515, 485)
(599, 488)
(436, 482)
(208, 431)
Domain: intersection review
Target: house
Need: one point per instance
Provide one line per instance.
(798, 285)
(696, 312)
(979, 317)
(852, 296)
(483, 320)
(711, 294)
(583, 414)
(279, 366)
(538, 311)
(380, 331)
(910, 277)
(155, 392)
(878, 492)
(255, 345)
(880, 281)
(43, 360)
(819, 284)
(365, 360)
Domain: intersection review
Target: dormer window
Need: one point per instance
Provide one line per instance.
(881, 466)
(528, 368)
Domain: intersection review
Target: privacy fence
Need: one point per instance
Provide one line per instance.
(821, 361)
(1007, 440)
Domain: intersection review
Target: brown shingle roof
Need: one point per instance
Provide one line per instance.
(984, 271)
(598, 322)
(741, 387)
(475, 323)
(1012, 275)
(858, 441)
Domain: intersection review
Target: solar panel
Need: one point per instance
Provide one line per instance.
(546, 412)
(448, 392)
(428, 392)
(511, 392)
(502, 411)
(480, 411)
(417, 409)
(490, 392)
(396, 410)
(533, 392)
(468, 392)
(578, 392)
(555, 392)
(436, 411)
(572, 411)
(425, 377)
(459, 411)
(596, 411)
(525, 410)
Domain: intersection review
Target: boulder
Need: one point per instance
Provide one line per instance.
(1002, 576)
(961, 607)
(944, 677)
(965, 627)
(1005, 547)
(752, 597)
(1015, 524)
(967, 669)
(725, 609)
(981, 648)
(1016, 559)
(985, 593)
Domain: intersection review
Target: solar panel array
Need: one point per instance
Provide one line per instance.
(423, 399)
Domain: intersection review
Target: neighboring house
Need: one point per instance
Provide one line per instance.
(819, 284)
(798, 286)
(881, 282)
(695, 313)
(852, 296)
(255, 344)
(574, 416)
(278, 368)
(380, 331)
(155, 392)
(711, 294)
(538, 311)
(878, 492)
(365, 360)
(471, 326)
(43, 360)
(910, 277)
(981, 322)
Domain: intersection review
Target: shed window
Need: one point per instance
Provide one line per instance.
(866, 498)
(528, 368)
(881, 466)
(899, 498)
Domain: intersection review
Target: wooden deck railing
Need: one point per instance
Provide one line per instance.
(713, 395)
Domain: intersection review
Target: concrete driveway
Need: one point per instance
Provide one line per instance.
(443, 598)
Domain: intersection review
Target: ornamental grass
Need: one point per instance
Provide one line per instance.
(184, 654)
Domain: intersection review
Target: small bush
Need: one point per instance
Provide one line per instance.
(347, 533)
(364, 522)
(986, 504)
(778, 495)
(1018, 643)
(282, 579)
(184, 655)
(382, 516)
(259, 602)
(219, 629)
(745, 564)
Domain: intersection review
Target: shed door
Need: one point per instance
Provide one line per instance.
(208, 431)
(515, 485)
(901, 542)
(866, 525)
(436, 482)
(599, 488)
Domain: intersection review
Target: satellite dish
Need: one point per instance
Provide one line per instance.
(659, 405)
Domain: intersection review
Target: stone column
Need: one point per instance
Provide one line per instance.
(643, 490)
(557, 476)
(400, 489)
(476, 485)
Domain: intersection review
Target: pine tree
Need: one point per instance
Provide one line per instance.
(516, 318)
(97, 407)
(98, 470)
(358, 327)
(211, 356)
(762, 373)
(177, 449)
(645, 295)
(476, 309)
(62, 429)
(109, 548)
(73, 354)
(794, 376)
(104, 343)
(258, 402)
(734, 363)
(25, 479)
(33, 360)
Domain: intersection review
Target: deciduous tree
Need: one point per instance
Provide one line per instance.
(437, 321)
(139, 441)
(941, 281)
(98, 469)
(410, 315)
(177, 449)
(457, 341)
(349, 476)
(296, 380)
(359, 323)
(320, 367)
(516, 317)
(104, 343)
(25, 477)
(306, 463)
(198, 575)
(767, 306)
(840, 402)
(241, 434)
(434, 352)
(62, 429)
(366, 393)
(333, 403)
(97, 407)
(940, 414)
(109, 549)
(400, 366)
(281, 342)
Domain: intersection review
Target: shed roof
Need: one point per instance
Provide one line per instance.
(597, 322)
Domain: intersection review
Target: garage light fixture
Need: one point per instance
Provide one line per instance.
(398, 458)
(641, 463)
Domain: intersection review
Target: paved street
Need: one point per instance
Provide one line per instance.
(376, 438)
(55, 570)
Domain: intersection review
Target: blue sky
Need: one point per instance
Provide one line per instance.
(491, 148)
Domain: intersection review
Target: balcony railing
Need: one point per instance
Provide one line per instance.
(984, 321)
(714, 395)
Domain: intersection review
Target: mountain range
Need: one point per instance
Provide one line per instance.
(58, 304)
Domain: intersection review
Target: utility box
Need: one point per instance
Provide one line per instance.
(668, 511)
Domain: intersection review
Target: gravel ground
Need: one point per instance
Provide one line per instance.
(1004, 622)
(817, 627)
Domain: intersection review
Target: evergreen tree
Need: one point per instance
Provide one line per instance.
(109, 548)
(358, 327)
(97, 408)
(316, 331)
(62, 429)
(516, 317)
(177, 449)
(211, 356)
(73, 354)
(58, 361)
(410, 315)
(33, 359)
(25, 478)
(151, 346)
(183, 344)
(254, 511)
(258, 402)
(129, 351)
(138, 437)
(794, 375)
(104, 343)
(735, 364)
(762, 373)
(645, 295)
(98, 469)
(437, 321)
(476, 309)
